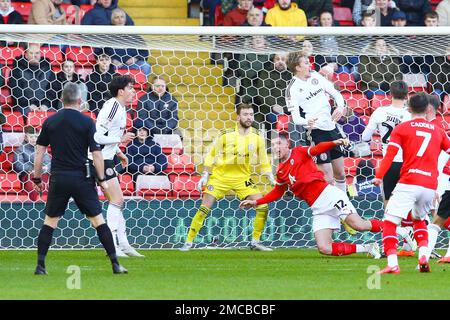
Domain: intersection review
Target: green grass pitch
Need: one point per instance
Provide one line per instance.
(217, 274)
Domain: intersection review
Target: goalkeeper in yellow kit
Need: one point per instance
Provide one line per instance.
(227, 167)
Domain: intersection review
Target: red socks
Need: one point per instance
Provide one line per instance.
(420, 233)
(342, 248)
(377, 225)
(408, 222)
(390, 241)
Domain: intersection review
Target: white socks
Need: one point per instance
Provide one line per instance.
(341, 185)
(360, 248)
(433, 231)
(392, 260)
(116, 223)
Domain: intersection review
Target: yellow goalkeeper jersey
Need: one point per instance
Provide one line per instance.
(232, 155)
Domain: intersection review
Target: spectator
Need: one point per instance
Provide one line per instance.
(8, 14)
(255, 18)
(269, 91)
(158, 109)
(101, 14)
(97, 82)
(210, 7)
(313, 8)
(128, 58)
(399, 19)
(67, 74)
(365, 172)
(24, 162)
(431, 19)
(47, 12)
(145, 155)
(238, 16)
(415, 10)
(383, 9)
(443, 11)
(80, 2)
(30, 81)
(368, 20)
(378, 67)
(359, 8)
(286, 14)
(227, 6)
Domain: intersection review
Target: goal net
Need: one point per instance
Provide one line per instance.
(207, 72)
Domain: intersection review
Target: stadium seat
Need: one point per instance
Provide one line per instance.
(53, 54)
(343, 16)
(179, 163)
(139, 77)
(74, 14)
(6, 73)
(37, 118)
(139, 94)
(5, 97)
(126, 184)
(83, 56)
(23, 8)
(14, 122)
(6, 161)
(8, 54)
(345, 81)
(170, 143)
(218, 16)
(416, 82)
(283, 122)
(151, 186)
(10, 183)
(379, 100)
(185, 186)
(357, 102)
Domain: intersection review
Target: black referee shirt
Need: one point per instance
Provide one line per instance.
(70, 134)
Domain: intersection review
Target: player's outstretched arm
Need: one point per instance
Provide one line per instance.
(326, 146)
(275, 194)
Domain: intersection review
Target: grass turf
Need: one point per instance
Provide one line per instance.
(217, 274)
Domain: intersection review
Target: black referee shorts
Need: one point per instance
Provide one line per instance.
(444, 206)
(391, 178)
(317, 136)
(63, 187)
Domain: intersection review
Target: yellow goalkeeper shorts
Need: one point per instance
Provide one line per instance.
(219, 188)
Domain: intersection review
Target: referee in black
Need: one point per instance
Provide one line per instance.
(70, 134)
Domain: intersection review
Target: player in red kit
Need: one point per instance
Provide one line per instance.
(298, 171)
(421, 142)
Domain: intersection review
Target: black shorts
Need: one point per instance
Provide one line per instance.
(391, 178)
(109, 168)
(316, 136)
(444, 206)
(64, 186)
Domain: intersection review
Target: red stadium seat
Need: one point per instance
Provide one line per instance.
(6, 73)
(343, 16)
(23, 8)
(5, 97)
(170, 143)
(126, 184)
(218, 16)
(138, 75)
(357, 102)
(14, 122)
(37, 118)
(185, 186)
(10, 183)
(8, 54)
(74, 14)
(6, 161)
(83, 56)
(345, 81)
(283, 122)
(53, 54)
(179, 163)
(379, 100)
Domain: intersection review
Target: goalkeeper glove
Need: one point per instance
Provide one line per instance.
(202, 182)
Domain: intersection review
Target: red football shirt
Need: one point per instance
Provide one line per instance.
(301, 174)
(421, 142)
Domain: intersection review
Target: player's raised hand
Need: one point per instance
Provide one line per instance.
(127, 137)
(246, 204)
(203, 181)
(377, 181)
(342, 142)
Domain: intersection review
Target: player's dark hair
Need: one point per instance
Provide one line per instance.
(418, 103)
(285, 136)
(431, 15)
(399, 90)
(119, 83)
(434, 101)
(241, 106)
